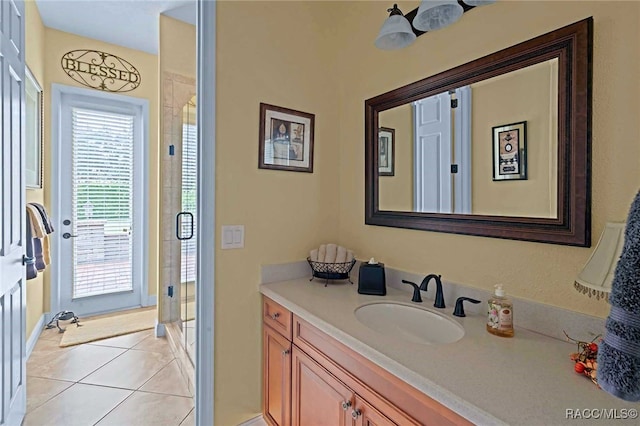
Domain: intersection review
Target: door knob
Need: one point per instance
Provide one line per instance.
(355, 414)
(285, 352)
(67, 235)
(346, 405)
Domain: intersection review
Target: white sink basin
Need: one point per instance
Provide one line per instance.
(411, 323)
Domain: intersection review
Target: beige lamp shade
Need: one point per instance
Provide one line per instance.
(597, 275)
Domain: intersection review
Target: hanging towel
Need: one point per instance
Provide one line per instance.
(619, 353)
(37, 227)
(32, 272)
(46, 220)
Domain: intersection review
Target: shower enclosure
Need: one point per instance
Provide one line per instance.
(178, 198)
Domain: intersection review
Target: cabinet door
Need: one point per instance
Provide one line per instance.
(364, 414)
(319, 399)
(276, 378)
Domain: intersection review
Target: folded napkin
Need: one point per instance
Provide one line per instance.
(619, 353)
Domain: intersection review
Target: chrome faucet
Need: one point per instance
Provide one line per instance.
(439, 303)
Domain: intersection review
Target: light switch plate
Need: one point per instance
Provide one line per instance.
(232, 237)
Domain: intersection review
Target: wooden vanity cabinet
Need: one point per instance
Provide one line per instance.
(276, 363)
(311, 379)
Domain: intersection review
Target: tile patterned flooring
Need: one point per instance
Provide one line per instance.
(130, 380)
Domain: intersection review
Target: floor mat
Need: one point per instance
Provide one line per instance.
(103, 328)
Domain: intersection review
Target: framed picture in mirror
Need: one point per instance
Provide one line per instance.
(386, 151)
(286, 139)
(33, 132)
(510, 152)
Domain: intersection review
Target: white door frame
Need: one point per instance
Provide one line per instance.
(57, 165)
(206, 225)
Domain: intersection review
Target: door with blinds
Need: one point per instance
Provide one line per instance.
(101, 204)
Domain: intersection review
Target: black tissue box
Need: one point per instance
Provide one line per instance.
(371, 279)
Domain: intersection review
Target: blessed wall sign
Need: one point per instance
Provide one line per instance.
(101, 70)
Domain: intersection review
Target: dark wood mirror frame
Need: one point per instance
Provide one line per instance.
(573, 47)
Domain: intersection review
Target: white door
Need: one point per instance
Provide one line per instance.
(432, 121)
(12, 220)
(100, 203)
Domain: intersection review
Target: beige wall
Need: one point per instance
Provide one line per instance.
(57, 44)
(396, 192)
(541, 272)
(35, 40)
(525, 95)
(279, 53)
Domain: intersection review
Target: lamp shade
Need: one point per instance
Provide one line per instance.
(395, 33)
(597, 275)
(435, 14)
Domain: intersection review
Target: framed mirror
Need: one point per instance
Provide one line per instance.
(33, 131)
(497, 147)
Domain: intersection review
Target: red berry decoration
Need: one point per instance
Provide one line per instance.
(586, 358)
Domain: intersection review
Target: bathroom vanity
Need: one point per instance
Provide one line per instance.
(321, 365)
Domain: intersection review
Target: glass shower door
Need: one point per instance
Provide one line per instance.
(187, 227)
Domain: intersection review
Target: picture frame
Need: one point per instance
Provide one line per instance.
(510, 151)
(386, 151)
(33, 131)
(285, 139)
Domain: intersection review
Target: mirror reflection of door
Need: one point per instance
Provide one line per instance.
(443, 154)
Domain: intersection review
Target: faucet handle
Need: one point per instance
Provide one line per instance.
(416, 291)
(459, 309)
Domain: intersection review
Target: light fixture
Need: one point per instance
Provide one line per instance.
(597, 275)
(396, 32)
(435, 14)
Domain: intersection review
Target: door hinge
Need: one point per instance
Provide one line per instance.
(170, 291)
(172, 150)
(454, 103)
(454, 168)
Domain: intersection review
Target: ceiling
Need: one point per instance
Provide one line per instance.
(129, 23)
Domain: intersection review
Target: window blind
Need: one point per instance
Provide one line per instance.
(189, 188)
(102, 198)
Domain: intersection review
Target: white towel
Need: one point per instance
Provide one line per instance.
(322, 252)
(349, 256)
(341, 256)
(332, 251)
(37, 227)
(313, 255)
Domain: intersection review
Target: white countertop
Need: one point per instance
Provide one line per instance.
(524, 380)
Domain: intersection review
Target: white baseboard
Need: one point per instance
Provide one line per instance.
(33, 338)
(160, 329)
(256, 421)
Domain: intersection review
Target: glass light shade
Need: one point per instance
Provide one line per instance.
(478, 2)
(395, 33)
(433, 14)
(597, 275)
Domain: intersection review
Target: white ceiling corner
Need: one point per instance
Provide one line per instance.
(129, 23)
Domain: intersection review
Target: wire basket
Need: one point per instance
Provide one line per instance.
(331, 271)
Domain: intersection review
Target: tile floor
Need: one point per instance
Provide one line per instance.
(130, 380)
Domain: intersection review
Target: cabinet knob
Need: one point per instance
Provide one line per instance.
(355, 414)
(275, 316)
(346, 405)
(286, 352)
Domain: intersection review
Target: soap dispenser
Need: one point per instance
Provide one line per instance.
(500, 314)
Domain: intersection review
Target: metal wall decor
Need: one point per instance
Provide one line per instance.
(101, 70)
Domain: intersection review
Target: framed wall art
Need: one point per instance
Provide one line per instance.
(386, 151)
(33, 132)
(510, 151)
(286, 139)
